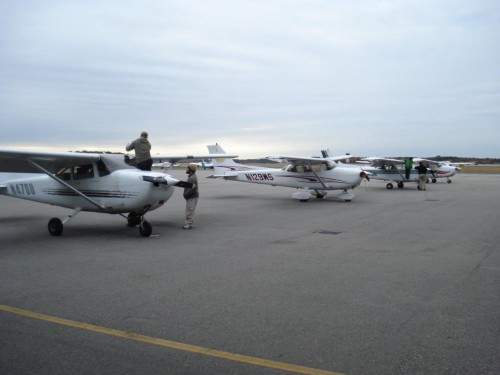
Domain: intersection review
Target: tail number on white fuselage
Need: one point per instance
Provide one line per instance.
(259, 176)
(22, 189)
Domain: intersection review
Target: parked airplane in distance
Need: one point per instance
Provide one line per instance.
(392, 170)
(311, 176)
(205, 164)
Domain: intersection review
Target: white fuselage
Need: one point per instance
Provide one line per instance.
(336, 179)
(119, 192)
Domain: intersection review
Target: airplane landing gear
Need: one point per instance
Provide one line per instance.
(133, 219)
(401, 185)
(55, 227)
(346, 196)
(389, 186)
(145, 228)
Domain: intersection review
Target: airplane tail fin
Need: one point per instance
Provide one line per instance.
(222, 166)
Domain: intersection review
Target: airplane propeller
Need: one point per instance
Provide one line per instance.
(163, 180)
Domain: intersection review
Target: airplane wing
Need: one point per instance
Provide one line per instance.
(380, 162)
(296, 159)
(427, 161)
(25, 161)
(161, 158)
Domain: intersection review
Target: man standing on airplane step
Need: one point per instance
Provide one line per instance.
(408, 165)
(142, 149)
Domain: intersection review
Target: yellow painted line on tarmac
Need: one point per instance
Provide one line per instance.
(169, 344)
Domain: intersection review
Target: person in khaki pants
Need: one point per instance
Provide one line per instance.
(191, 196)
(422, 175)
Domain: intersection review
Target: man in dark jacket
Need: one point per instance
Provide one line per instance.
(142, 149)
(422, 171)
(191, 195)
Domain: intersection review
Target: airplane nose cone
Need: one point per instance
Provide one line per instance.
(170, 181)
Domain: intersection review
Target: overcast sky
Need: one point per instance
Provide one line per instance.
(387, 78)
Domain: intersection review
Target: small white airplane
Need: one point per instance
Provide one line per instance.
(205, 164)
(313, 176)
(455, 164)
(96, 182)
(164, 165)
(392, 170)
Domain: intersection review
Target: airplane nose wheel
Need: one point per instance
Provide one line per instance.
(134, 220)
(55, 227)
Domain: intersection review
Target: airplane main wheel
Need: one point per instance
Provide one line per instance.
(449, 181)
(145, 228)
(389, 186)
(55, 227)
(401, 185)
(434, 180)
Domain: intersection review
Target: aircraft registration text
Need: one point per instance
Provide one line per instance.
(259, 176)
(22, 189)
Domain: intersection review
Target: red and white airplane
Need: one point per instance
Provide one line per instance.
(96, 182)
(310, 175)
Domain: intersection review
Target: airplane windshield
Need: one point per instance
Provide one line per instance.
(114, 162)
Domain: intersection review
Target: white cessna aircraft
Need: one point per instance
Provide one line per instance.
(387, 169)
(313, 176)
(97, 182)
(205, 164)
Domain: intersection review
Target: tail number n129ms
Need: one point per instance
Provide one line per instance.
(259, 176)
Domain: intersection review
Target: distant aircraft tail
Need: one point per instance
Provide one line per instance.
(223, 166)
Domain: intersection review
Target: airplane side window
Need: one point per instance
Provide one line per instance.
(84, 171)
(317, 167)
(65, 174)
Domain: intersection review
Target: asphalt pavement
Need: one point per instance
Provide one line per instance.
(395, 282)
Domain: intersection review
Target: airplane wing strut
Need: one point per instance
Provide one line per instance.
(316, 174)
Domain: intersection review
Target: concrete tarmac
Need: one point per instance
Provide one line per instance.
(395, 282)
